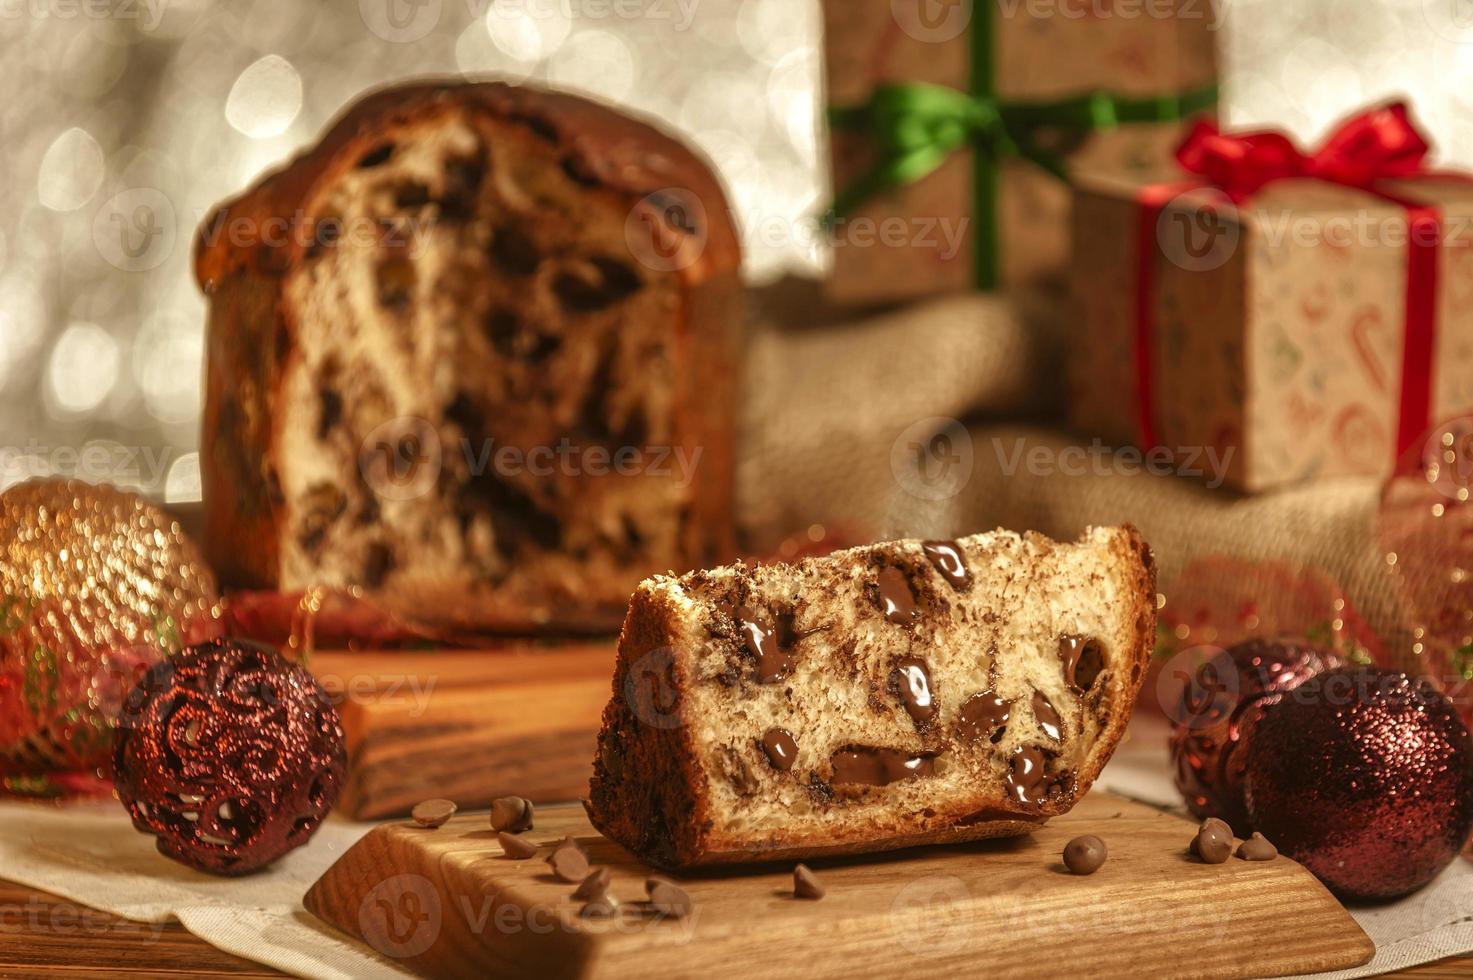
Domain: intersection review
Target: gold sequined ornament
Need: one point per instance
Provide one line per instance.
(96, 585)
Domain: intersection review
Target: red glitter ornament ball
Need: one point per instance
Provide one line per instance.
(1365, 777)
(1215, 703)
(230, 755)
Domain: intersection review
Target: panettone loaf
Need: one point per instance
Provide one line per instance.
(886, 696)
(473, 353)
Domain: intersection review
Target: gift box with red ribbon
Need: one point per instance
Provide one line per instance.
(957, 124)
(1302, 315)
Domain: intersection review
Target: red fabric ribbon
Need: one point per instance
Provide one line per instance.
(1379, 144)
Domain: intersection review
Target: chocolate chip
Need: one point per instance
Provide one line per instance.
(413, 194)
(947, 558)
(330, 411)
(596, 284)
(1083, 661)
(983, 716)
(512, 814)
(600, 907)
(569, 861)
(668, 898)
(432, 813)
(1085, 855)
(379, 154)
(912, 679)
(396, 279)
(513, 251)
(806, 883)
(1257, 848)
(516, 848)
(1214, 841)
(1047, 717)
(780, 748)
(594, 886)
(377, 564)
(897, 601)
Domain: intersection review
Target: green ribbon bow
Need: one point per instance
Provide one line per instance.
(917, 127)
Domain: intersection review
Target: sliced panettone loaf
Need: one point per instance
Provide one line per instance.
(898, 694)
(475, 352)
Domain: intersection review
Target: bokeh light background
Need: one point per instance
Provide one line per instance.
(124, 121)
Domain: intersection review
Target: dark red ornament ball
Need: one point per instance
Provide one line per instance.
(230, 755)
(1364, 776)
(1213, 708)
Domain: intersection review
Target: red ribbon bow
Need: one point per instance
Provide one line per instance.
(1379, 144)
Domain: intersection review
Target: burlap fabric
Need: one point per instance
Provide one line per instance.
(839, 417)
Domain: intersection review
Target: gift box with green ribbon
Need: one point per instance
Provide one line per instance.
(957, 125)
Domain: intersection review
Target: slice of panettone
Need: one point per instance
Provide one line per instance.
(886, 696)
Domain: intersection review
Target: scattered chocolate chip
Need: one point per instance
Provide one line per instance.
(668, 898)
(432, 813)
(983, 716)
(1257, 848)
(594, 886)
(569, 861)
(1047, 717)
(1085, 855)
(1214, 841)
(513, 251)
(947, 557)
(780, 748)
(913, 680)
(595, 284)
(516, 848)
(512, 814)
(600, 907)
(412, 195)
(806, 883)
(377, 564)
(897, 601)
(330, 411)
(764, 643)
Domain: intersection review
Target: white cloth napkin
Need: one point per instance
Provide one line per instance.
(91, 855)
(1432, 924)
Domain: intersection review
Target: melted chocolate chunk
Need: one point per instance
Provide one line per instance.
(769, 642)
(781, 750)
(773, 662)
(896, 598)
(1026, 782)
(982, 716)
(1083, 661)
(912, 679)
(865, 766)
(1048, 718)
(947, 557)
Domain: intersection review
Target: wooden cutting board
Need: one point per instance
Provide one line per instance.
(470, 725)
(446, 903)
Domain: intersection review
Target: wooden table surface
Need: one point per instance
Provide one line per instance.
(42, 936)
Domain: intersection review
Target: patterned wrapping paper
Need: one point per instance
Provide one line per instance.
(1041, 51)
(1280, 328)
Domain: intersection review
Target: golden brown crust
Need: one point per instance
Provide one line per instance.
(664, 813)
(253, 331)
